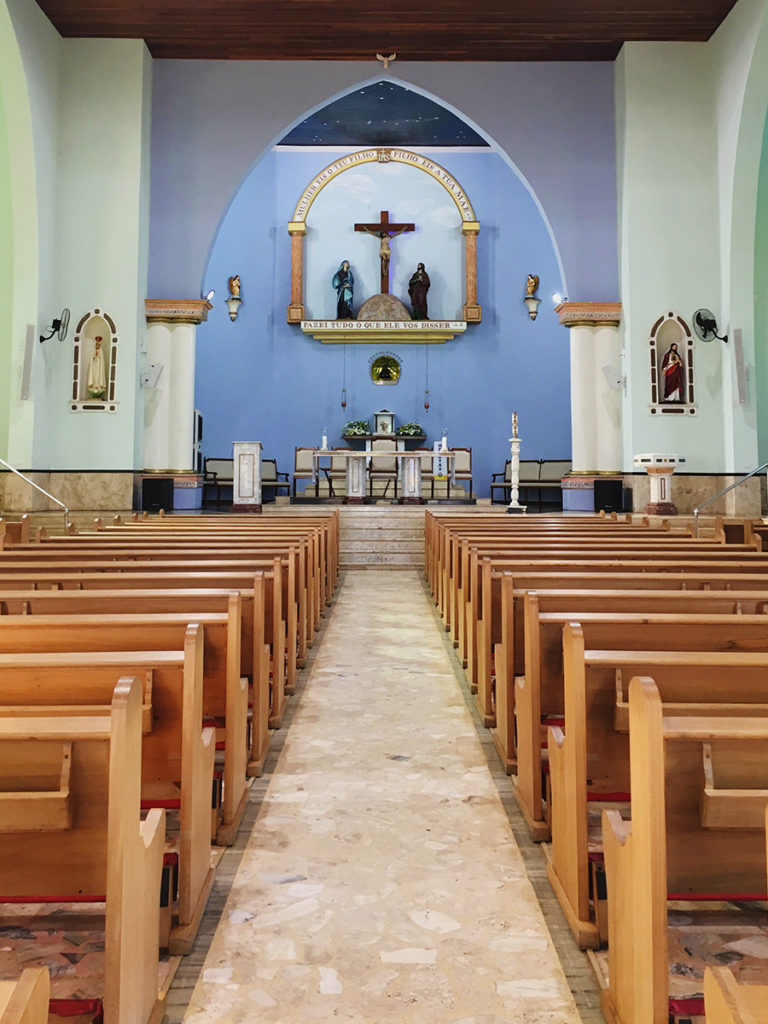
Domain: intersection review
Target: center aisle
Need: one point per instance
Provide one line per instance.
(382, 881)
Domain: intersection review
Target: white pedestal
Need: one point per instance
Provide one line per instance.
(410, 480)
(246, 491)
(660, 469)
(514, 507)
(355, 480)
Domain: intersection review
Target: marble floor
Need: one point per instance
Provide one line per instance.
(382, 880)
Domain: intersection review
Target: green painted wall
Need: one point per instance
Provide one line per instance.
(6, 276)
(761, 303)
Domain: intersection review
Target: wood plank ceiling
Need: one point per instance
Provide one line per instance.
(432, 30)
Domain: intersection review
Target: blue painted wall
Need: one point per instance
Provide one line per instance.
(260, 378)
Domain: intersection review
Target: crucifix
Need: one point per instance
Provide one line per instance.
(384, 230)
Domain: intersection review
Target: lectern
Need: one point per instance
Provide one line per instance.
(246, 489)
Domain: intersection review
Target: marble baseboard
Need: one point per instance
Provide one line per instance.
(75, 490)
(690, 491)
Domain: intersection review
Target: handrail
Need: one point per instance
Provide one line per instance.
(720, 494)
(39, 488)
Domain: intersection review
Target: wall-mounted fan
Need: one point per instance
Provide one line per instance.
(705, 326)
(59, 327)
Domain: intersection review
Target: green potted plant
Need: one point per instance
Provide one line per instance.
(410, 430)
(357, 428)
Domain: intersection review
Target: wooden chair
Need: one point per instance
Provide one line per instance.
(530, 470)
(427, 470)
(272, 480)
(217, 474)
(337, 471)
(382, 467)
(459, 472)
(303, 469)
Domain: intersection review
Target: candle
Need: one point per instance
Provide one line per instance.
(325, 442)
(444, 445)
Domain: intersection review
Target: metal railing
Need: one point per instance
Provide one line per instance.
(721, 493)
(40, 489)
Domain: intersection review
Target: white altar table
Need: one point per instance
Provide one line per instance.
(409, 471)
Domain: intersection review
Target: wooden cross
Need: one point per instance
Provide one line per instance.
(384, 230)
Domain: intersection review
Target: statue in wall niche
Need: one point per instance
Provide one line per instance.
(96, 383)
(344, 283)
(418, 287)
(672, 372)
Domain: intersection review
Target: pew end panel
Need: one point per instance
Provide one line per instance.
(26, 1001)
(728, 1002)
(666, 854)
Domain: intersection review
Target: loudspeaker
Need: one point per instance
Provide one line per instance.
(157, 493)
(609, 495)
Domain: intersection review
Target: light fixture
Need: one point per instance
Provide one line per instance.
(209, 296)
(530, 298)
(557, 298)
(234, 301)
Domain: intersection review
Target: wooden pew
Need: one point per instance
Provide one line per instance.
(188, 601)
(470, 613)
(225, 692)
(104, 851)
(728, 1002)
(26, 1001)
(555, 644)
(589, 762)
(621, 593)
(668, 851)
(177, 754)
(293, 624)
(262, 589)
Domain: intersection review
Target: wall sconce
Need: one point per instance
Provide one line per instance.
(234, 301)
(530, 298)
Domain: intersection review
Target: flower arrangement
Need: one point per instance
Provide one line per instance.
(410, 430)
(357, 428)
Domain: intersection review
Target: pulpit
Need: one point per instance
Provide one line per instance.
(246, 489)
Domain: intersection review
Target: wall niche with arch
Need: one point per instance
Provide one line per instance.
(670, 346)
(94, 363)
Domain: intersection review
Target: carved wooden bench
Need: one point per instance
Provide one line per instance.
(89, 843)
(692, 839)
(177, 753)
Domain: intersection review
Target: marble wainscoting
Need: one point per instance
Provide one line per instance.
(381, 881)
(690, 490)
(77, 490)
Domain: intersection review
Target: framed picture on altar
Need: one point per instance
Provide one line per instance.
(383, 422)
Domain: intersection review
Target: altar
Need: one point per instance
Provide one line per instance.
(357, 462)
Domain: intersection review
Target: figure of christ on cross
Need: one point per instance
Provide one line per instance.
(384, 230)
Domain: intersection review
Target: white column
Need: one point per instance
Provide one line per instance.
(583, 419)
(607, 400)
(595, 405)
(169, 406)
(157, 399)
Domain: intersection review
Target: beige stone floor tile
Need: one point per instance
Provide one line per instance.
(382, 881)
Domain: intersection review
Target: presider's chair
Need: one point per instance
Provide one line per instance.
(382, 467)
(303, 469)
(337, 471)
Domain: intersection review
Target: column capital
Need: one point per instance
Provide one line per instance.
(589, 314)
(297, 227)
(176, 311)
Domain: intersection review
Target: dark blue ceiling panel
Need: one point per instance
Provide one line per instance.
(383, 114)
